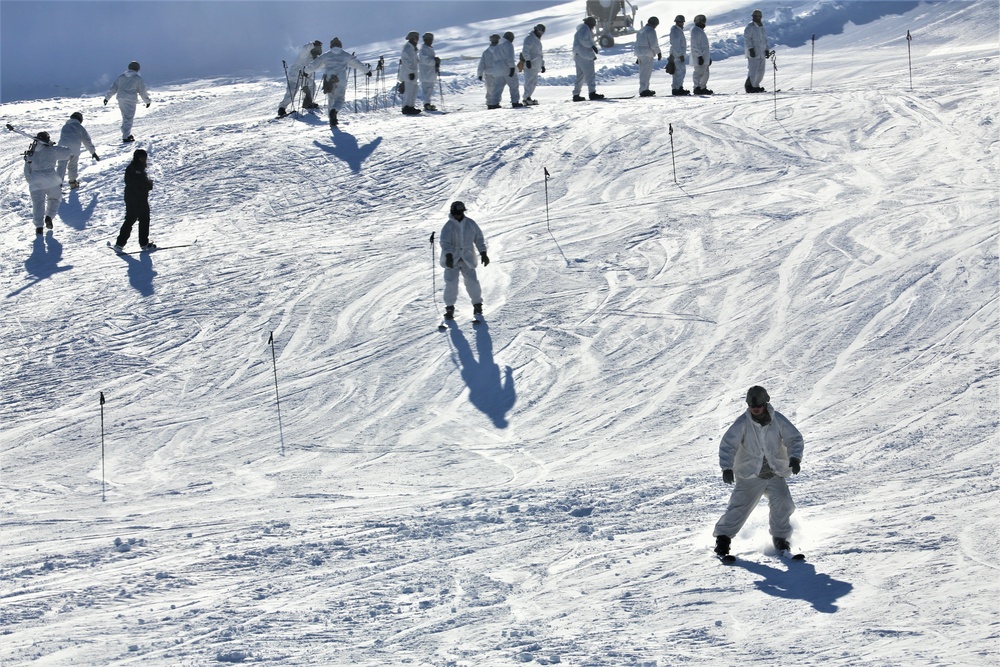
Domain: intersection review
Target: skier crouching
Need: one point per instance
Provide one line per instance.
(461, 239)
(758, 452)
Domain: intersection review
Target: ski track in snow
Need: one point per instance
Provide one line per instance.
(543, 487)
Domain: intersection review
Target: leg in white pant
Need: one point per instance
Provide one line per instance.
(746, 494)
(645, 73)
(468, 277)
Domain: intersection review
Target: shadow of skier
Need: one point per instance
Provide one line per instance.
(345, 147)
(43, 262)
(140, 272)
(799, 582)
(72, 212)
(487, 392)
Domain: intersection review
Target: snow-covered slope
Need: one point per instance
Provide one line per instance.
(542, 488)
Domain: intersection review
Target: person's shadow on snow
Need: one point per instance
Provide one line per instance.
(487, 392)
(799, 582)
(345, 147)
(72, 212)
(140, 272)
(43, 262)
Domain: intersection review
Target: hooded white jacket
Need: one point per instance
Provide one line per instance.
(463, 239)
(409, 63)
(678, 43)
(503, 59)
(755, 37)
(531, 50)
(335, 63)
(647, 44)
(128, 86)
(486, 61)
(428, 63)
(700, 46)
(584, 43)
(747, 444)
(73, 134)
(40, 166)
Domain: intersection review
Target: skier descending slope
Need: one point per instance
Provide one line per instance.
(129, 86)
(137, 187)
(334, 64)
(461, 239)
(758, 452)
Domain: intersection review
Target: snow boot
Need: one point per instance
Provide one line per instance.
(281, 112)
(39, 230)
(781, 544)
(722, 545)
(117, 248)
(578, 98)
(73, 185)
(129, 139)
(595, 96)
(747, 86)
(411, 111)
(333, 118)
(48, 222)
(477, 309)
(516, 105)
(449, 312)
(492, 106)
(429, 107)
(680, 92)
(647, 93)
(149, 246)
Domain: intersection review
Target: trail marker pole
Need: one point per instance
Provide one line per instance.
(547, 200)
(102, 447)
(909, 58)
(812, 62)
(672, 161)
(277, 398)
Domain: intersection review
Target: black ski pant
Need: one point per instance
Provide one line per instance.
(135, 211)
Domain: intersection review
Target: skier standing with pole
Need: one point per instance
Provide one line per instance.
(307, 54)
(755, 48)
(409, 66)
(462, 248)
(334, 64)
(430, 65)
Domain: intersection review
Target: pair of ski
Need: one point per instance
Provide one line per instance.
(729, 559)
(444, 325)
(159, 247)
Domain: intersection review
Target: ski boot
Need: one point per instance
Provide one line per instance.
(449, 312)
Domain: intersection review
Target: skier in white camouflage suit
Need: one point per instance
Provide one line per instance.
(297, 80)
(758, 452)
(534, 62)
(409, 67)
(430, 67)
(647, 47)
(757, 53)
(129, 86)
(43, 181)
(462, 248)
(584, 56)
(678, 56)
(505, 72)
(334, 64)
(485, 71)
(73, 135)
(701, 56)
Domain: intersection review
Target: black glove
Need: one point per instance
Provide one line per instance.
(753, 53)
(483, 256)
(512, 70)
(527, 64)
(543, 69)
(727, 476)
(413, 76)
(480, 78)
(449, 261)
(682, 58)
(105, 101)
(659, 56)
(147, 105)
(701, 60)
(796, 466)
(596, 50)
(368, 73)
(94, 155)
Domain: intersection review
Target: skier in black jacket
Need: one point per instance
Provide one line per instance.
(137, 187)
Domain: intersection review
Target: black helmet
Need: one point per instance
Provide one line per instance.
(591, 21)
(457, 207)
(757, 397)
(653, 21)
(76, 115)
(494, 38)
(44, 136)
(134, 66)
(335, 42)
(509, 36)
(428, 38)
(540, 29)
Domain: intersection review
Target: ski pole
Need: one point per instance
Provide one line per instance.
(277, 398)
(774, 82)
(547, 200)
(440, 91)
(672, 161)
(102, 447)
(433, 273)
(909, 58)
(812, 62)
(288, 83)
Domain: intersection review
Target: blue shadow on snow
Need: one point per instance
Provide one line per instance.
(140, 272)
(72, 212)
(345, 147)
(487, 392)
(799, 582)
(43, 262)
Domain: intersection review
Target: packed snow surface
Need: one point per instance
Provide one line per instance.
(540, 489)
